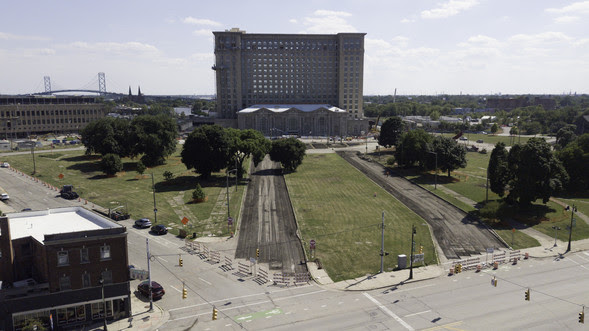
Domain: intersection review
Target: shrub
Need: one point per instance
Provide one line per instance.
(391, 161)
(198, 194)
(168, 175)
(140, 167)
(111, 164)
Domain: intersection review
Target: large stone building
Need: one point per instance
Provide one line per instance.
(55, 266)
(289, 69)
(21, 116)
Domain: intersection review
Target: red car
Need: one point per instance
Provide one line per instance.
(157, 291)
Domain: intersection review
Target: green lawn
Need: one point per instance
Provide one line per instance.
(341, 209)
(490, 139)
(128, 188)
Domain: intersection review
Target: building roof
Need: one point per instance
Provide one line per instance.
(282, 108)
(37, 224)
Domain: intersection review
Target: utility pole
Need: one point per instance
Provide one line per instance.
(382, 245)
(154, 207)
(149, 275)
(413, 230)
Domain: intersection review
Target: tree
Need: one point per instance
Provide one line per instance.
(168, 175)
(412, 148)
(289, 152)
(575, 158)
(140, 167)
(494, 128)
(246, 143)
(154, 136)
(390, 132)
(206, 149)
(498, 171)
(198, 194)
(565, 135)
(450, 154)
(111, 164)
(535, 172)
(108, 135)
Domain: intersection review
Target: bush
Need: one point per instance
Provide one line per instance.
(391, 161)
(140, 167)
(111, 164)
(198, 194)
(168, 175)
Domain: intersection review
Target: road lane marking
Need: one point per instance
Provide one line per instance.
(421, 312)
(176, 289)
(445, 326)
(204, 281)
(161, 258)
(234, 298)
(390, 313)
(579, 264)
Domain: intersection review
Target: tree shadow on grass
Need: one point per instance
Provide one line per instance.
(184, 183)
(497, 213)
(85, 167)
(82, 158)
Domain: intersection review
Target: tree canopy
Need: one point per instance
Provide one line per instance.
(108, 135)
(450, 154)
(498, 170)
(206, 149)
(412, 148)
(154, 137)
(575, 159)
(289, 152)
(245, 143)
(390, 132)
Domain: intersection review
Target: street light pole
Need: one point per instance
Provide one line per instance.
(556, 228)
(573, 210)
(436, 175)
(101, 282)
(228, 207)
(149, 275)
(413, 230)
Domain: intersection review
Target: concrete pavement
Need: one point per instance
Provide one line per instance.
(141, 318)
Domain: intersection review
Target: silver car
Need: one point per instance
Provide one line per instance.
(143, 223)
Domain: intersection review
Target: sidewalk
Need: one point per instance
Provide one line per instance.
(141, 318)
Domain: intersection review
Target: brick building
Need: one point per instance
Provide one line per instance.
(52, 263)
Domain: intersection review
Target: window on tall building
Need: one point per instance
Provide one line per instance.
(84, 257)
(105, 252)
(106, 276)
(62, 258)
(86, 280)
(65, 283)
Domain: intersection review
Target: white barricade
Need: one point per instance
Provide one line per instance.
(205, 251)
(228, 263)
(500, 257)
(280, 279)
(215, 256)
(301, 278)
(243, 268)
(471, 263)
(263, 275)
(514, 256)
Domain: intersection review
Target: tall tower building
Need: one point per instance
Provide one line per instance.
(288, 69)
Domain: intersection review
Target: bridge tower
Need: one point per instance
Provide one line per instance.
(101, 83)
(47, 81)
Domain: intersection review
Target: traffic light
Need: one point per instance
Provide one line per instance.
(458, 268)
(184, 292)
(420, 249)
(528, 295)
(257, 252)
(582, 317)
(180, 262)
(215, 312)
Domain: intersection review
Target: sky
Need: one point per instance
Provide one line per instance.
(417, 47)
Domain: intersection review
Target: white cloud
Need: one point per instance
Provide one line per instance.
(292, 20)
(480, 41)
(35, 52)
(406, 20)
(401, 41)
(449, 8)
(566, 19)
(326, 21)
(202, 32)
(575, 8)
(10, 36)
(200, 21)
(543, 38)
(128, 48)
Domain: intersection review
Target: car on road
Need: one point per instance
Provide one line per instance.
(157, 291)
(463, 138)
(4, 165)
(4, 196)
(480, 141)
(143, 223)
(159, 229)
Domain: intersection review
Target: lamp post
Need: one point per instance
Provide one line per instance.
(228, 207)
(413, 231)
(556, 228)
(436, 176)
(101, 282)
(573, 210)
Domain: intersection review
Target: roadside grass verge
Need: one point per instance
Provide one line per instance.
(134, 191)
(341, 209)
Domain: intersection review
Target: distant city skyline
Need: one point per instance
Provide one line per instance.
(417, 47)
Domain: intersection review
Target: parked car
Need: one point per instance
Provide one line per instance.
(159, 229)
(463, 138)
(480, 141)
(4, 165)
(157, 291)
(143, 223)
(4, 196)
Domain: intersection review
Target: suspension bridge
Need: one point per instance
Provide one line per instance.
(88, 88)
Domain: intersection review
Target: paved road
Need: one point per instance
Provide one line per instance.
(268, 222)
(457, 234)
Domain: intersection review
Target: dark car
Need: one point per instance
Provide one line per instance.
(159, 229)
(157, 291)
(143, 223)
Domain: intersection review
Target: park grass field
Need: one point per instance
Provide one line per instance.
(341, 209)
(134, 191)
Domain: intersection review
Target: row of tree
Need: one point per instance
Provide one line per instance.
(210, 148)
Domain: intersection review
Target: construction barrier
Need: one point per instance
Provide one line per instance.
(451, 271)
(471, 263)
(228, 263)
(243, 268)
(215, 256)
(495, 265)
(479, 267)
(514, 256)
(263, 275)
(301, 278)
(205, 252)
(500, 257)
(281, 279)
(526, 256)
